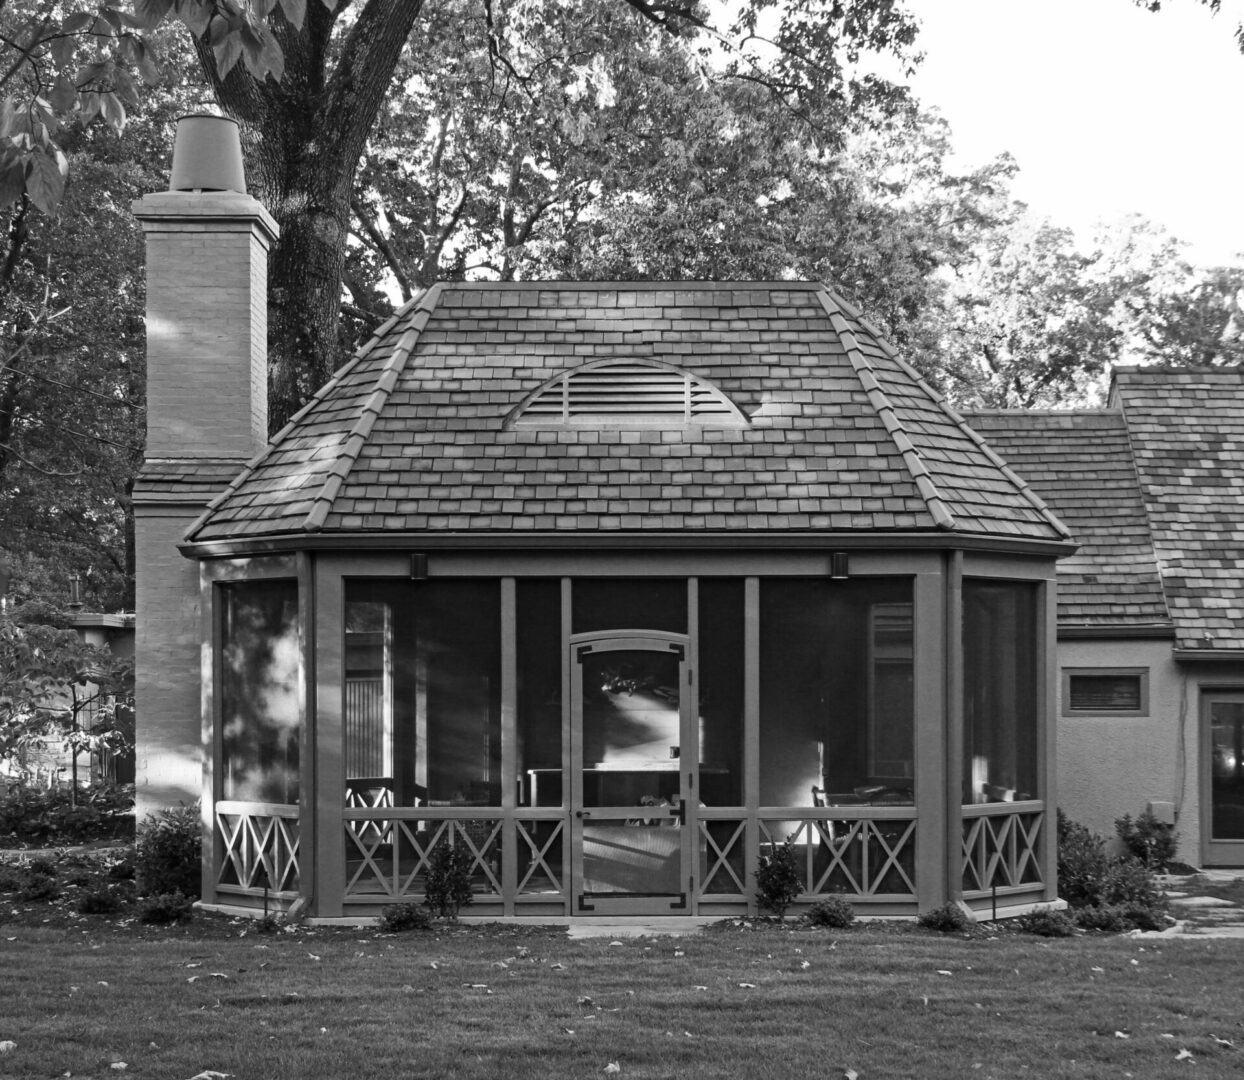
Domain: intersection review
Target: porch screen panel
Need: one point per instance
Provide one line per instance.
(629, 604)
(1000, 722)
(836, 692)
(422, 693)
(719, 693)
(539, 656)
(259, 692)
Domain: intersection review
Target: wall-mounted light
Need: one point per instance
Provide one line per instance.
(839, 566)
(418, 566)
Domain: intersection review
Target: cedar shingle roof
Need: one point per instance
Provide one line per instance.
(1081, 464)
(416, 432)
(1187, 434)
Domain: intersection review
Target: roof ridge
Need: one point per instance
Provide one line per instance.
(933, 500)
(939, 399)
(322, 503)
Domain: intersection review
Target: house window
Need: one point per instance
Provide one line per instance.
(1105, 691)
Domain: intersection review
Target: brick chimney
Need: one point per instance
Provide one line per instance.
(207, 414)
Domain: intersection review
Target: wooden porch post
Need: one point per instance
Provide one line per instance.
(931, 738)
(509, 743)
(328, 795)
(953, 631)
(308, 741)
(751, 735)
(209, 668)
(1047, 749)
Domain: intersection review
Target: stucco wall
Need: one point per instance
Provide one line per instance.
(1109, 766)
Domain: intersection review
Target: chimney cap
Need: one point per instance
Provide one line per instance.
(207, 154)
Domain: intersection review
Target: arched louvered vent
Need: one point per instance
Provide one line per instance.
(631, 392)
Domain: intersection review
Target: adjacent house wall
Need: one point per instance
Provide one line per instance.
(1109, 766)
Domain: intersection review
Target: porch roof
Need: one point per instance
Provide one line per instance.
(836, 432)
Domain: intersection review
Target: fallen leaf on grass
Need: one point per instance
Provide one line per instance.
(119, 1066)
(1183, 1055)
(804, 965)
(612, 1067)
(699, 988)
(8, 1046)
(313, 956)
(1223, 1042)
(850, 1074)
(943, 971)
(1099, 970)
(219, 975)
(211, 1074)
(434, 966)
(1121, 1035)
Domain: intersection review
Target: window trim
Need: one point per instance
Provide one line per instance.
(1141, 673)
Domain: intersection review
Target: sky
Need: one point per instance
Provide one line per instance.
(1107, 108)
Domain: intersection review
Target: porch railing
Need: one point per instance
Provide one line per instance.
(1002, 847)
(258, 846)
(866, 852)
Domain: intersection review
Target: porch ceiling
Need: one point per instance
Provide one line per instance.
(839, 434)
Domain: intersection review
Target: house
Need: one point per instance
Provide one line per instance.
(614, 586)
(1151, 606)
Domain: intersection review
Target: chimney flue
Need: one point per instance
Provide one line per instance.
(207, 155)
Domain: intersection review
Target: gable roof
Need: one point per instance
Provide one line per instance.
(1080, 462)
(1186, 429)
(837, 433)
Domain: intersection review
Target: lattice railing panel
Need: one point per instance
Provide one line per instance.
(855, 856)
(258, 842)
(721, 857)
(1002, 850)
(392, 855)
(540, 856)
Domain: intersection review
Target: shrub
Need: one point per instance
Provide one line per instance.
(121, 869)
(167, 852)
(449, 879)
(12, 878)
(39, 887)
(99, 902)
(1149, 840)
(778, 884)
(57, 815)
(1089, 878)
(833, 912)
(1046, 922)
(40, 865)
(1108, 919)
(399, 917)
(946, 919)
(162, 909)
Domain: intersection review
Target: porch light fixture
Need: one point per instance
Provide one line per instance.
(418, 566)
(839, 566)
(75, 592)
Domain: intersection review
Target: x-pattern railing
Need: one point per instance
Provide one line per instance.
(260, 847)
(407, 852)
(869, 856)
(540, 852)
(1002, 850)
(717, 858)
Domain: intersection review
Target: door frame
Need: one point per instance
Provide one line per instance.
(660, 642)
(1214, 852)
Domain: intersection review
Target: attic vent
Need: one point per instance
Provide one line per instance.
(629, 393)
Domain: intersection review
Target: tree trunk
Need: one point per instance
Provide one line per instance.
(304, 137)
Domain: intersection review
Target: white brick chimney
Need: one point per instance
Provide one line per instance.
(207, 413)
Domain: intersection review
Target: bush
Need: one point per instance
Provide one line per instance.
(99, 902)
(167, 852)
(1148, 840)
(834, 912)
(39, 887)
(1089, 878)
(399, 917)
(449, 879)
(1108, 919)
(162, 909)
(12, 878)
(54, 815)
(948, 918)
(778, 884)
(1046, 922)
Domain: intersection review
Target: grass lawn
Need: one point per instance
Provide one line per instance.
(78, 995)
